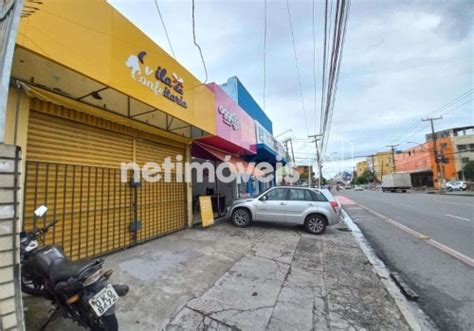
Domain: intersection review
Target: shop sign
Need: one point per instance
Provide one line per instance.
(266, 138)
(207, 214)
(229, 118)
(159, 81)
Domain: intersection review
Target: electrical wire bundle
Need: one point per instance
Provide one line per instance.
(332, 63)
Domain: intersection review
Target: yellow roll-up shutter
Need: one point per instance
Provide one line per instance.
(54, 139)
(74, 169)
(73, 166)
(161, 204)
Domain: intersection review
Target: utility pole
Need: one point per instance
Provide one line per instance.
(374, 178)
(435, 150)
(292, 152)
(392, 147)
(317, 137)
(291, 155)
(10, 13)
(285, 142)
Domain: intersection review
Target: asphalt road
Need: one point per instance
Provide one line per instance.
(445, 284)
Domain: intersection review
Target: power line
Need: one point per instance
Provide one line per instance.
(297, 65)
(164, 28)
(417, 124)
(265, 55)
(314, 70)
(323, 79)
(337, 40)
(196, 44)
(446, 111)
(337, 76)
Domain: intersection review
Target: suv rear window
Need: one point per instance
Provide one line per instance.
(318, 196)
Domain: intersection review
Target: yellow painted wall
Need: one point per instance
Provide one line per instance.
(21, 121)
(10, 119)
(361, 167)
(384, 158)
(189, 189)
(92, 38)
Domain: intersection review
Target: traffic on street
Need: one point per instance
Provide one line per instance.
(442, 275)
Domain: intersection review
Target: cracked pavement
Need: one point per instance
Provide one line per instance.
(264, 277)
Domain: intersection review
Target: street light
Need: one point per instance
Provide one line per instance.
(281, 134)
(412, 142)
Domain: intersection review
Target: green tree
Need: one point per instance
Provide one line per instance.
(365, 178)
(469, 170)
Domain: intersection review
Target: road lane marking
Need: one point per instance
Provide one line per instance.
(458, 217)
(404, 204)
(457, 203)
(448, 250)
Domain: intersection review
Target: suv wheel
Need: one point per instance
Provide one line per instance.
(315, 224)
(241, 217)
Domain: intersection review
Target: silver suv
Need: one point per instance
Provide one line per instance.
(314, 208)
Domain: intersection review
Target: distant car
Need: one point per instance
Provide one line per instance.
(457, 185)
(314, 208)
(358, 188)
(348, 187)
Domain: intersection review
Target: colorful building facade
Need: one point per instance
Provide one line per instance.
(268, 149)
(382, 164)
(239, 93)
(420, 162)
(462, 139)
(235, 138)
(361, 167)
(91, 91)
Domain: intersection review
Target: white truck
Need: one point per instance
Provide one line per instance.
(396, 182)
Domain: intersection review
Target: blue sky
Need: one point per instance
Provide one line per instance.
(401, 61)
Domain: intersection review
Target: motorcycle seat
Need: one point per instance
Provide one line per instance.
(64, 269)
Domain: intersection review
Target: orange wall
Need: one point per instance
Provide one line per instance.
(448, 169)
(414, 159)
(422, 157)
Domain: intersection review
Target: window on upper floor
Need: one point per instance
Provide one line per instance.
(462, 147)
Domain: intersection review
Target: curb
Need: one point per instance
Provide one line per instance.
(457, 194)
(407, 310)
(453, 193)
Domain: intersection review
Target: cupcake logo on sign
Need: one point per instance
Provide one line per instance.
(158, 81)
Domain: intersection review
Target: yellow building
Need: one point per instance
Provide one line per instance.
(382, 164)
(90, 91)
(361, 167)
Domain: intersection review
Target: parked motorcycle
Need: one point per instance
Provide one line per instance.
(78, 290)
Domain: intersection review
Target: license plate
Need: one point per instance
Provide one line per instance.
(104, 300)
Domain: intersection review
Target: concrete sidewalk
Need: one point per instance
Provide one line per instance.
(257, 278)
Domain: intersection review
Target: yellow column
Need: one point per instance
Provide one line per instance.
(189, 189)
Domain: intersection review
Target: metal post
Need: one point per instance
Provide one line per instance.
(317, 137)
(9, 21)
(392, 147)
(292, 152)
(435, 150)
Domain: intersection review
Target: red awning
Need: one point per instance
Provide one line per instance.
(236, 164)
